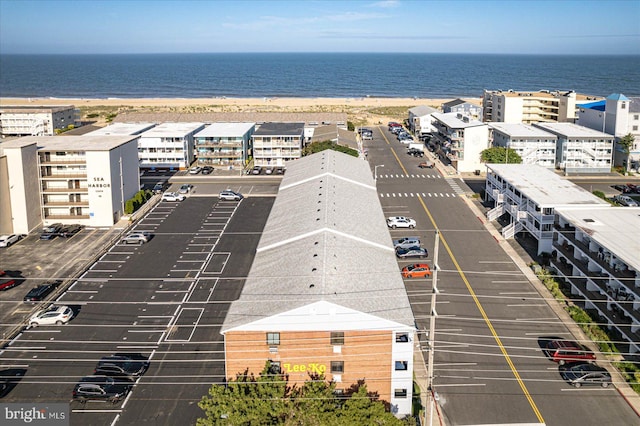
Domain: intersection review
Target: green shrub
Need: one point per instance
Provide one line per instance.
(129, 206)
(600, 194)
(350, 126)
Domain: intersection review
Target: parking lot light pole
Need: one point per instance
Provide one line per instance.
(432, 332)
(375, 171)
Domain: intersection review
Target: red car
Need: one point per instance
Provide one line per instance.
(563, 351)
(417, 270)
(7, 282)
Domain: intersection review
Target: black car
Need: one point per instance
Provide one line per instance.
(69, 231)
(105, 388)
(585, 373)
(622, 188)
(127, 365)
(39, 293)
(51, 231)
(206, 170)
(415, 152)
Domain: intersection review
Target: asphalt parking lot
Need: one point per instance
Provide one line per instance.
(164, 300)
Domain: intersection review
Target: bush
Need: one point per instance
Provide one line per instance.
(129, 206)
(350, 126)
(600, 194)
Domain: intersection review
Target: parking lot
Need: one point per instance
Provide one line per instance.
(164, 300)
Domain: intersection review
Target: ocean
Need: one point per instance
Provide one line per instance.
(333, 75)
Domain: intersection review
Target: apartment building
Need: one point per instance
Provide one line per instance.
(224, 144)
(463, 107)
(580, 149)
(275, 144)
(302, 306)
(122, 129)
(619, 116)
(596, 253)
(420, 119)
(168, 146)
(34, 120)
(533, 145)
(463, 139)
(532, 107)
(529, 194)
(75, 179)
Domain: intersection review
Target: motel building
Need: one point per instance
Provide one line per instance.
(70, 180)
(308, 305)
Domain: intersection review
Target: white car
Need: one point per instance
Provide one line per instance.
(400, 222)
(7, 240)
(53, 315)
(195, 170)
(230, 195)
(137, 237)
(172, 196)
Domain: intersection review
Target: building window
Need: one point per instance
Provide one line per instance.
(402, 365)
(273, 339)
(400, 393)
(635, 128)
(337, 367)
(402, 337)
(337, 337)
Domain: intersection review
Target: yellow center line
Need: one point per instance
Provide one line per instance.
(485, 317)
(393, 152)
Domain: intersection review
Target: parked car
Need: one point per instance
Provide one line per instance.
(280, 170)
(622, 188)
(563, 351)
(406, 242)
(51, 231)
(172, 196)
(400, 222)
(268, 170)
(195, 170)
(625, 200)
(416, 251)
(229, 195)
(185, 188)
(160, 186)
(122, 365)
(69, 231)
(584, 373)
(53, 315)
(417, 270)
(255, 170)
(39, 293)
(206, 170)
(137, 237)
(7, 281)
(633, 188)
(426, 165)
(105, 388)
(7, 240)
(415, 152)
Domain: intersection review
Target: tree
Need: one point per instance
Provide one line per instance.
(321, 146)
(626, 143)
(268, 400)
(499, 154)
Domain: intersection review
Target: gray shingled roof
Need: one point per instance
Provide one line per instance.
(422, 110)
(325, 240)
(280, 129)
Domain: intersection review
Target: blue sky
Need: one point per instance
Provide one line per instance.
(534, 26)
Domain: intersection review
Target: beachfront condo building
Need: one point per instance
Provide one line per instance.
(168, 146)
(619, 116)
(275, 144)
(533, 145)
(302, 307)
(224, 145)
(580, 149)
(73, 179)
(33, 120)
(461, 140)
(122, 129)
(421, 119)
(532, 107)
(465, 108)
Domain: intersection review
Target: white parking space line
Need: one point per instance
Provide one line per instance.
(522, 305)
(155, 316)
(95, 411)
(82, 291)
(510, 282)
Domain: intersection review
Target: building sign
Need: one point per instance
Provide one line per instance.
(98, 182)
(313, 368)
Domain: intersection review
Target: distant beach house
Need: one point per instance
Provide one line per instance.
(168, 145)
(619, 116)
(532, 144)
(462, 140)
(34, 120)
(463, 107)
(421, 118)
(224, 144)
(274, 144)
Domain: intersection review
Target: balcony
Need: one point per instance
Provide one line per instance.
(64, 190)
(67, 216)
(65, 203)
(49, 161)
(237, 144)
(65, 176)
(218, 154)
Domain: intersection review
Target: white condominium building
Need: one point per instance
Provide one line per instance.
(224, 144)
(72, 179)
(531, 107)
(463, 140)
(33, 120)
(168, 145)
(274, 144)
(580, 149)
(533, 145)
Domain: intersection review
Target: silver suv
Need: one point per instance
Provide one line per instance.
(230, 195)
(406, 242)
(137, 237)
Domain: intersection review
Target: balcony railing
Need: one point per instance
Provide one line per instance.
(64, 176)
(64, 161)
(67, 216)
(65, 203)
(63, 190)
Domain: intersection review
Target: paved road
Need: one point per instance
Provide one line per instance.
(488, 368)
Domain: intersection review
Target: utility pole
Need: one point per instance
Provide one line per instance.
(432, 331)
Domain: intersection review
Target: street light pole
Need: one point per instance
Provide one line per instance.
(432, 329)
(375, 171)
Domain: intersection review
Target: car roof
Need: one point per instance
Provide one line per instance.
(565, 344)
